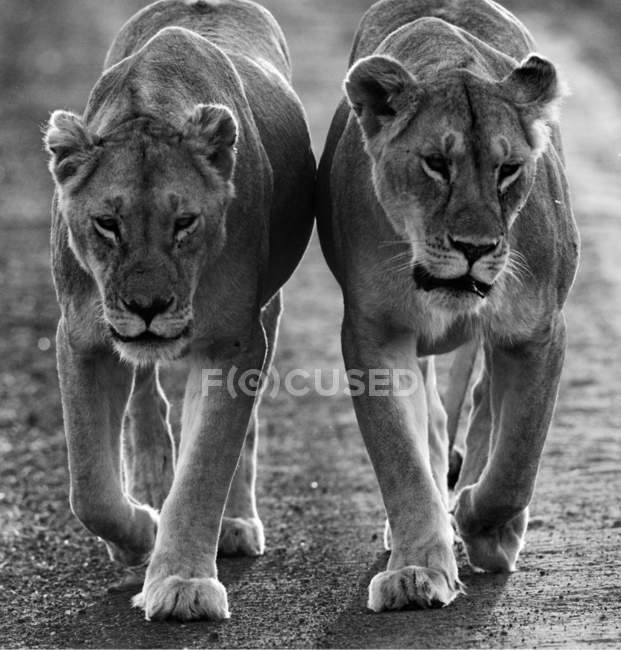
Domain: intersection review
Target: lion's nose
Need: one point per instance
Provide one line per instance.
(148, 311)
(473, 252)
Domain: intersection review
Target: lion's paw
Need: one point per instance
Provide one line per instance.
(412, 586)
(137, 551)
(494, 549)
(183, 599)
(240, 536)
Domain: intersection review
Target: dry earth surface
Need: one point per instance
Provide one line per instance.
(318, 497)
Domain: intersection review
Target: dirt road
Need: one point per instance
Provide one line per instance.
(317, 494)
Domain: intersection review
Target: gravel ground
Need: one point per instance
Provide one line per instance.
(317, 494)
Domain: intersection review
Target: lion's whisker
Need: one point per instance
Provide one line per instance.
(518, 261)
(515, 271)
(406, 254)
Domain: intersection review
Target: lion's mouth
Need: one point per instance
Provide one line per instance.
(465, 283)
(149, 338)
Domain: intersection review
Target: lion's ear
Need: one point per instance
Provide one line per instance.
(534, 86)
(211, 131)
(379, 88)
(69, 144)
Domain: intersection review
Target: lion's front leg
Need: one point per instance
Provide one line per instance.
(181, 580)
(492, 515)
(148, 445)
(421, 570)
(95, 387)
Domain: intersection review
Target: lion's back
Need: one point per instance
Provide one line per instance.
(483, 19)
(199, 49)
(182, 52)
(238, 27)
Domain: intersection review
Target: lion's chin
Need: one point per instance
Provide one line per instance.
(145, 354)
(149, 349)
(454, 302)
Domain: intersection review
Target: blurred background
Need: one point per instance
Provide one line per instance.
(317, 494)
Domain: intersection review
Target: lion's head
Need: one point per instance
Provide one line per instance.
(144, 206)
(454, 158)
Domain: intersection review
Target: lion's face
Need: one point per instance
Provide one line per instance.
(452, 166)
(145, 210)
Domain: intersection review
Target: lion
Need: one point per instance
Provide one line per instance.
(444, 214)
(184, 202)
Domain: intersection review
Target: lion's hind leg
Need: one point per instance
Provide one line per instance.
(458, 402)
(148, 445)
(242, 529)
(478, 439)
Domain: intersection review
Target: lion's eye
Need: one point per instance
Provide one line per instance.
(107, 227)
(437, 165)
(507, 173)
(185, 225)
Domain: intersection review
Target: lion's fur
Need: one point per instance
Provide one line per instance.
(145, 104)
(455, 80)
(183, 204)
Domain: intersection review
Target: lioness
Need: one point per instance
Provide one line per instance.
(444, 214)
(183, 204)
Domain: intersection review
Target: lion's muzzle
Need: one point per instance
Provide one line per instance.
(152, 321)
(462, 265)
(473, 251)
(148, 310)
(150, 334)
